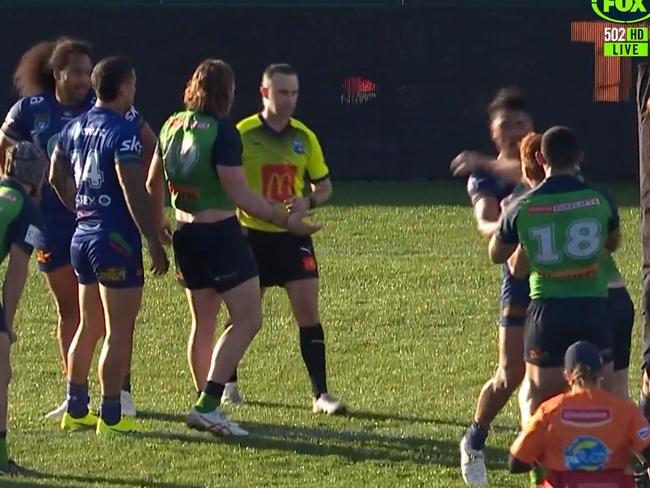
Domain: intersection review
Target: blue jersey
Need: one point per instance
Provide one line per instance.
(482, 184)
(93, 144)
(40, 119)
(514, 292)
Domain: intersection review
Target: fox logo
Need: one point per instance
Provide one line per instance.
(131, 145)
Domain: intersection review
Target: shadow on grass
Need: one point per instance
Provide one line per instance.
(162, 416)
(366, 415)
(353, 445)
(66, 480)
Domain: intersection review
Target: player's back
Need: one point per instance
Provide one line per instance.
(563, 226)
(95, 142)
(590, 430)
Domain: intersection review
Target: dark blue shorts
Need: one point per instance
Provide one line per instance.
(213, 255)
(109, 258)
(515, 297)
(53, 244)
(553, 324)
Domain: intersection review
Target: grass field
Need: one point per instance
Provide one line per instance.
(409, 303)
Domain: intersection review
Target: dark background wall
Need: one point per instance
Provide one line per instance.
(434, 68)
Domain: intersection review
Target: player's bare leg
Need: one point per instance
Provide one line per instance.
(204, 308)
(63, 287)
(231, 393)
(121, 307)
(243, 302)
(493, 397)
(80, 356)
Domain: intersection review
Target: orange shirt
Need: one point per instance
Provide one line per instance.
(589, 430)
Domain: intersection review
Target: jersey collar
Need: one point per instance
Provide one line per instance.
(271, 129)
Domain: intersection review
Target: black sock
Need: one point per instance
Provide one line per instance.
(312, 347)
(126, 384)
(233, 377)
(215, 390)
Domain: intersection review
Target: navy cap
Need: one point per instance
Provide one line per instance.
(584, 353)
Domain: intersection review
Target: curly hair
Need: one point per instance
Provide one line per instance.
(529, 145)
(209, 88)
(35, 71)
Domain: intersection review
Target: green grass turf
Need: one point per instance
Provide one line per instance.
(409, 303)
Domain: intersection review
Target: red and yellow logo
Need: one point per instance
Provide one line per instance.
(278, 181)
(43, 257)
(309, 264)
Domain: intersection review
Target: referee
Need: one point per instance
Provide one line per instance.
(279, 153)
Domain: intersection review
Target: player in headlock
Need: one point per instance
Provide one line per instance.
(53, 79)
(564, 227)
(492, 182)
(97, 170)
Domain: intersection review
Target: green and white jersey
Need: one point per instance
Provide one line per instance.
(563, 226)
(192, 145)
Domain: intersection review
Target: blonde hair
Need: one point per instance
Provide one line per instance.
(582, 376)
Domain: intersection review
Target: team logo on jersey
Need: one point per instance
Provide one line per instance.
(586, 453)
(188, 154)
(41, 122)
(298, 146)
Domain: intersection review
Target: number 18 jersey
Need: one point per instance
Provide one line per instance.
(563, 226)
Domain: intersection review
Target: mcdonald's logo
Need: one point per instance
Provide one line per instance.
(278, 181)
